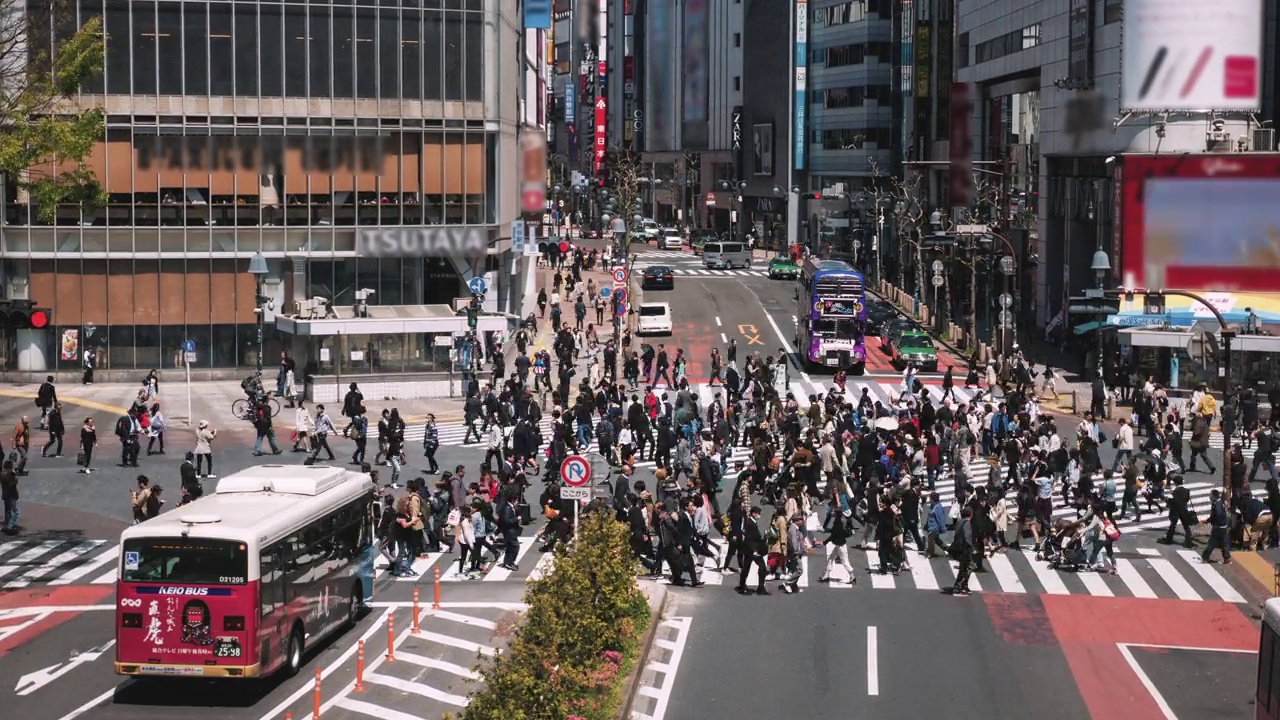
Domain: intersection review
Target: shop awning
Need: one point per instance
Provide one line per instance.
(1090, 326)
(388, 320)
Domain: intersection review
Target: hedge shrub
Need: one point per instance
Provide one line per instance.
(578, 638)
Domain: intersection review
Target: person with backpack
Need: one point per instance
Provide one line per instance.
(56, 429)
(191, 487)
(46, 399)
(839, 529)
(262, 424)
(359, 432)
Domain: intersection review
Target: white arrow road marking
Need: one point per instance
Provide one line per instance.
(33, 681)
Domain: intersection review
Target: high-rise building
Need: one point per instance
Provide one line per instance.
(350, 143)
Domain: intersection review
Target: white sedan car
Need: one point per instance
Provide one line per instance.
(655, 319)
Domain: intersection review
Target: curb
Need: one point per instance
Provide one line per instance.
(657, 596)
(951, 348)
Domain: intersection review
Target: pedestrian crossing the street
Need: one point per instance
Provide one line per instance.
(453, 433)
(1144, 573)
(1140, 572)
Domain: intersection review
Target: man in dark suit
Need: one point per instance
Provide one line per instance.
(641, 543)
(753, 550)
(685, 537)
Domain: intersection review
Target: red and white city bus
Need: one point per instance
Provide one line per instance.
(240, 582)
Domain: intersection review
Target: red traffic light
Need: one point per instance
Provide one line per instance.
(564, 247)
(817, 196)
(40, 319)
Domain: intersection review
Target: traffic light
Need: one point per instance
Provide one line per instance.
(813, 196)
(473, 312)
(21, 315)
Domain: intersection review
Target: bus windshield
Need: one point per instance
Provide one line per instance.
(176, 560)
(829, 327)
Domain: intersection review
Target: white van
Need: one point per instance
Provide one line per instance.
(727, 255)
(670, 239)
(655, 319)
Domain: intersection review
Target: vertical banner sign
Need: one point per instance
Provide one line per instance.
(960, 183)
(537, 14)
(802, 79)
(1080, 44)
(1117, 227)
(517, 237)
(571, 115)
(533, 190)
(735, 135)
(599, 133)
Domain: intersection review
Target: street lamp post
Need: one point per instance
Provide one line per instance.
(1006, 316)
(1101, 265)
(258, 269)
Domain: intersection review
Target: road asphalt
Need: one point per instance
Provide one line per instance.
(888, 647)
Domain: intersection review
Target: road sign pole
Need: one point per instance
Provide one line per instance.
(187, 363)
(576, 505)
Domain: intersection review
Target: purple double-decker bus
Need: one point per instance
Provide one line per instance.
(832, 319)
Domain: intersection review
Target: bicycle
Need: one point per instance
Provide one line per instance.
(242, 409)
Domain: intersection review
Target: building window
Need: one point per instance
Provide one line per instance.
(854, 54)
(221, 54)
(411, 55)
(847, 97)
(246, 54)
(144, 48)
(737, 39)
(853, 138)
(169, 41)
(272, 49)
(962, 51)
(1112, 11)
(1007, 44)
(319, 45)
(737, 83)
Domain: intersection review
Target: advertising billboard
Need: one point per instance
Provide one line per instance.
(1201, 222)
(802, 80)
(1191, 55)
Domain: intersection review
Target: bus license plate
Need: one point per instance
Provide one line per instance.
(226, 648)
(170, 670)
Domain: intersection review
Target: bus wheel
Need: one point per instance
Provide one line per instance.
(293, 656)
(353, 606)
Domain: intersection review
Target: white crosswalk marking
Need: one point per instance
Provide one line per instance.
(49, 567)
(1211, 577)
(17, 564)
(974, 584)
(1129, 575)
(501, 573)
(1048, 577)
(1005, 574)
(1095, 584)
(878, 580)
(922, 574)
(78, 572)
(1173, 579)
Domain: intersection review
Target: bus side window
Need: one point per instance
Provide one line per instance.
(270, 589)
(1268, 667)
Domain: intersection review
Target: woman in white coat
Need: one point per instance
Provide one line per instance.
(303, 425)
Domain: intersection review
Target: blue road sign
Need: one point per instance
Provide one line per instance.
(622, 309)
(478, 286)
(188, 346)
(606, 292)
(620, 295)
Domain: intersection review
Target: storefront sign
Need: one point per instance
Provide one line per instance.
(423, 242)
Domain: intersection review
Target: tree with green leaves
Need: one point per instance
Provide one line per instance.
(46, 136)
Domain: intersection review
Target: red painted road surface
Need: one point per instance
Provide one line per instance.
(1090, 631)
(18, 629)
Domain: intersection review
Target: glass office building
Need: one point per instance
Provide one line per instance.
(283, 128)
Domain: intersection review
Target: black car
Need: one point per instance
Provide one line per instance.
(878, 314)
(658, 277)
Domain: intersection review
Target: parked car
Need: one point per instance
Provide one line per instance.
(658, 277)
(655, 319)
(914, 348)
(783, 266)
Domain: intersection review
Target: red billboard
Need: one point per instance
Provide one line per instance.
(1200, 222)
(602, 133)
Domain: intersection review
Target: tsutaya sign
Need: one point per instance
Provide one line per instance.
(424, 242)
